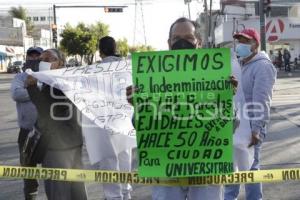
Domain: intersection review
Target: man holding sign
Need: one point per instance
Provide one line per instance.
(178, 133)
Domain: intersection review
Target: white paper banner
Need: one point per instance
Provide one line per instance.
(99, 92)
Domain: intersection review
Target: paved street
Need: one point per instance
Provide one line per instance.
(12, 189)
(281, 148)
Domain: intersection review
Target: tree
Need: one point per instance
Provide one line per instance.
(122, 47)
(82, 40)
(100, 30)
(21, 13)
(87, 46)
(69, 42)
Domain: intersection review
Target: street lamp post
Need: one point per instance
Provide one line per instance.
(54, 20)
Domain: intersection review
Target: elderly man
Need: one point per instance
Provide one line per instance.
(258, 78)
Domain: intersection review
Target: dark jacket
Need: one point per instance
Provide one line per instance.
(63, 133)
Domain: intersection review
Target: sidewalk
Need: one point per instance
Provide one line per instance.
(283, 74)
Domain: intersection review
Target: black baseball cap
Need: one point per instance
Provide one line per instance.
(34, 49)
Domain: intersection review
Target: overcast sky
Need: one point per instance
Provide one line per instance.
(158, 16)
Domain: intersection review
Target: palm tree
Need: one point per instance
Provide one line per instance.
(21, 13)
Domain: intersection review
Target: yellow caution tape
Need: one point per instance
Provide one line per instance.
(100, 176)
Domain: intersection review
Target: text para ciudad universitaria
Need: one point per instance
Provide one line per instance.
(183, 112)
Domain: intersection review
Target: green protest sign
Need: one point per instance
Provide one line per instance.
(183, 112)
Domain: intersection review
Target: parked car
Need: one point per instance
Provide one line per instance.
(15, 67)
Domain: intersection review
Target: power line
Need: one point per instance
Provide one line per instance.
(58, 2)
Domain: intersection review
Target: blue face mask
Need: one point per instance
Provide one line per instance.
(243, 50)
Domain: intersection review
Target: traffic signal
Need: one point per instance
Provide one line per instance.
(113, 9)
(54, 33)
(267, 6)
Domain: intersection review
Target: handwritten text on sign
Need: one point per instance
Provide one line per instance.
(183, 112)
(98, 91)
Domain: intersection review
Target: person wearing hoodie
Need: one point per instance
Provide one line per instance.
(258, 79)
(27, 114)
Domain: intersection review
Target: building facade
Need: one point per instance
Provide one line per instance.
(13, 41)
(282, 24)
(42, 19)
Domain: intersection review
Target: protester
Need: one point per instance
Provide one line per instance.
(258, 78)
(108, 49)
(286, 58)
(27, 114)
(183, 35)
(110, 158)
(279, 60)
(57, 122)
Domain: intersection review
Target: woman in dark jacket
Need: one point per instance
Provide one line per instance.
(58, 122)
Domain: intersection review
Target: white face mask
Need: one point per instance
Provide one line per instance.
(44, 66)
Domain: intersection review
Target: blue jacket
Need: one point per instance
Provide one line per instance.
(27, 113)
(258, 79)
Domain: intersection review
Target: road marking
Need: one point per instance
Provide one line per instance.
(5, 86)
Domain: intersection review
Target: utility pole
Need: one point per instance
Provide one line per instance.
(54, 20)
(188, 4)
(206, 23)
(50, 26)
(262, 17)
(234, 31)
(209, 25)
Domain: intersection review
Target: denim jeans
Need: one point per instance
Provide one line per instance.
(253, 191)
(187, 193)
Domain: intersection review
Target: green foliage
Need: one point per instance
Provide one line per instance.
(21, 13)
(141, 48)
(100, 29)
(83, 39)
(123, 47)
